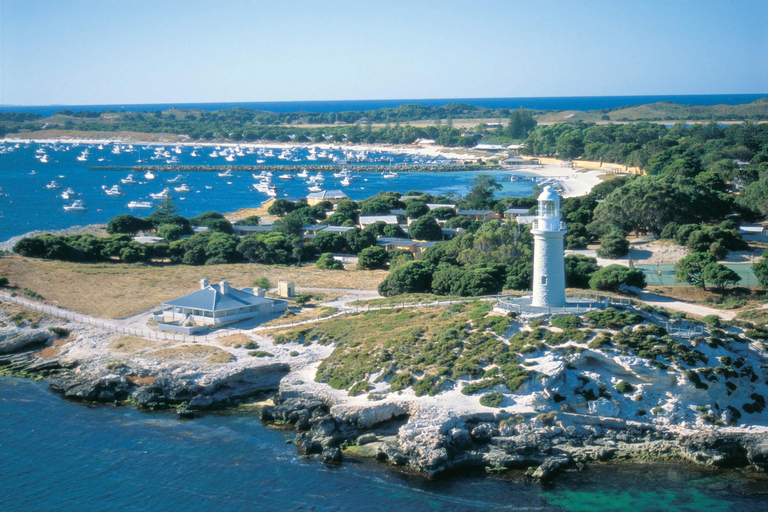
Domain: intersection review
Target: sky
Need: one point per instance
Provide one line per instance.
(89, 52)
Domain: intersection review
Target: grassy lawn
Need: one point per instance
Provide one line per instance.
(117, 290)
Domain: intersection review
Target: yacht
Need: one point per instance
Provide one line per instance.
(388, 175)
(226, 174)
(77, 206)
(32, 172)
(315, 188)
(260, 161)
(161, 195)
(149, 175)
(114, 191)
(303, 174)
(53, 185)
(230, 158)
(182, 188)
(83, 156)
(345, 182)
(69, 194)
(44, 159)
(343, 174)
(129, 180)
(140, 205)
(178, 179)
(286, 177)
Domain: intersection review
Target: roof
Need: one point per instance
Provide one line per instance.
(432, 206)
(370, 219)
(474, 212)
(210, 298)
(406, 242)
(337, 229)
(548, 194)
(517, 211)
(327, 194)
(490, 147)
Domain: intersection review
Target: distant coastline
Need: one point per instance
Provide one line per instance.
(583, 103)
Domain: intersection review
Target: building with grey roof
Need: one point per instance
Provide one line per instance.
(215, 305)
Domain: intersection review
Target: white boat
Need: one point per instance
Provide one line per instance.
(226, 174)
(213, 154)
(264, 185)
(286, 176)
(32, 172)
(161, 195)
(262, 175)
(315, 188)
(69, 194)
(389, 175)
(77, 206)
(114, 191)
(149, 175)
(83, 156)
(260, 161)
(140, 205)
(345, 182)
(272, 192)
(53, 184)
(193, 153)
(182, 188)
(129, 180)
(343, 174)
(230, 158)
(178, 179)
(303, 174)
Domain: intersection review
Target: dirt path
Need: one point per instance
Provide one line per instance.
(695, 309)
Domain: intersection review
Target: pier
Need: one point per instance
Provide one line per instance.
(378, 169)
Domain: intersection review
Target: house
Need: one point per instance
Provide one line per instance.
(491, 148)
(250, 230)
(367, 220)
(334, 196)
(481, 215)
(416, 248)
(514, 160)
(514, 213)
(215, 305)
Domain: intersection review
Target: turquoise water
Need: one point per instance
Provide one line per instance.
(28, 205)
(60, 455)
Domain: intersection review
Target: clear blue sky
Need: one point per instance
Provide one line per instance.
(168, 51)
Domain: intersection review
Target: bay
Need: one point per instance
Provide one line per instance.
(28, 205)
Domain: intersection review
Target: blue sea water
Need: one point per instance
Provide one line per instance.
(536, 103)
(28, 205)
(60, 455)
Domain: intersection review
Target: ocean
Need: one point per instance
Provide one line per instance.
(28, 205)
(324, 107)
(61, 455)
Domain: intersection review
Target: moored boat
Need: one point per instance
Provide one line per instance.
(77, 206)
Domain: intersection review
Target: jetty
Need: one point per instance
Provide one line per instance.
(378, 169)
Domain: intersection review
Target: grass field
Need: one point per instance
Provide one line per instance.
(116, 290)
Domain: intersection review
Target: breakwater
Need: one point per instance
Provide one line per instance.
(376, 169)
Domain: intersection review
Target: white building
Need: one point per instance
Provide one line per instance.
(548, 255)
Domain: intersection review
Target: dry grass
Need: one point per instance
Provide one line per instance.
(117, 290)
(189, 352)
(30, 316)
(132, 344)
(234, 339)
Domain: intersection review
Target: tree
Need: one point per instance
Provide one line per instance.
(613, 277)
(357, 240)
(221, 248)
(720, 276)
(411, 277)
(127, 224)
(372, 258)
(416, 209)
(171, 232)
(579, 270)
(690, 268)
(326, 262)
(281, 207)
(613, 245)
(569, 145)
(329, 242)
(760, 268)
(442, 213)
(425, 228)
(252, 220)
(481, 194)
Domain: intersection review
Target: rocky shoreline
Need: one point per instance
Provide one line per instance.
(425, 438)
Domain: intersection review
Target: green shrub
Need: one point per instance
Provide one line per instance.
(59, 331)
(3, 281)
(429, 385)
(251, 345)
(566, 322)
(262, 282)
(32, 294)
(400, 381)
(492, 399)
(624, 387)
(260, 353)
(548, 418)
(359, 387)
(294, 353)
(712, 321)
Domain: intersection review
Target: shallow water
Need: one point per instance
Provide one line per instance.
(61, 455)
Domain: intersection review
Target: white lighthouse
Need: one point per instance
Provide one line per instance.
(548, 255)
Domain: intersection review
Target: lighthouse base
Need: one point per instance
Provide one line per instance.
(548, 269)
